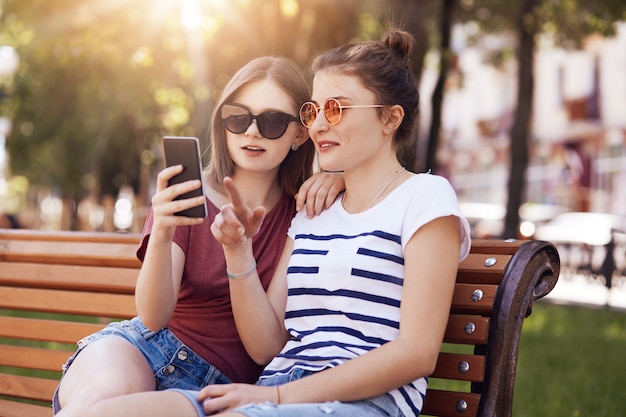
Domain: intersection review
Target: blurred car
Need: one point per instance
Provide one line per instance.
(594, 229)
(588, 243)
(487, 220)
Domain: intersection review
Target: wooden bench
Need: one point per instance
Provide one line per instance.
(52, 282)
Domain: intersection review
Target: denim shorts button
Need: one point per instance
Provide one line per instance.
(169, 370)
(182, 355)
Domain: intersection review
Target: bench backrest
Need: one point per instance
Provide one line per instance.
(57, 287)
(496, 286)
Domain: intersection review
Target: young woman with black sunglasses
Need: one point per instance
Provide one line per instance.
(185, 335)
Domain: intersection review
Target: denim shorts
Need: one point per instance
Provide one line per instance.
(381, 406)
(173, 363)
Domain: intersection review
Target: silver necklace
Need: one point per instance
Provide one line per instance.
(343, 197)
(385, 187)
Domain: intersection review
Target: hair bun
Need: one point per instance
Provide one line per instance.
(400, 42)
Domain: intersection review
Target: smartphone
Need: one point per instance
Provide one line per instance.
(185, 151)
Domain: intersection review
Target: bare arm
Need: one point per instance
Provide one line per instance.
(156, 292)
(258, 316)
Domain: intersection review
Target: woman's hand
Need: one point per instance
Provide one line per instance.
(319, 192)
(216, 398)
(164, 204)
(236, 222)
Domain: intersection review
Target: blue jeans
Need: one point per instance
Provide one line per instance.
(174, 364)
(381, 406)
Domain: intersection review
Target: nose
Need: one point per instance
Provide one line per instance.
(320, 122)
(253, 129)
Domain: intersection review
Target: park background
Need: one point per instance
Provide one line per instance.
(523, 110)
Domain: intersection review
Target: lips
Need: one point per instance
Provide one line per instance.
(252, 148)
(325, 145)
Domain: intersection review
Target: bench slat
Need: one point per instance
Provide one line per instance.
(463, 301)
(27, 387)
(46, 330)
(33, 358)
(75, 277)
(496, 246)
(69, 253)
(466, 329)
(62, 236)
(443, 403)
(15, 409)
(71, 302)
(451, 365)
(473, 269)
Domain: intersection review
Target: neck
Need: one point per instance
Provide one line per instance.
(364, 190)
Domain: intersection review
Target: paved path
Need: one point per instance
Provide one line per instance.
(579, 289)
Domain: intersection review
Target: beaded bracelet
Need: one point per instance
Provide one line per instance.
(242, 275)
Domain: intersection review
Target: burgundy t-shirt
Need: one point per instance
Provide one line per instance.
(203, 319)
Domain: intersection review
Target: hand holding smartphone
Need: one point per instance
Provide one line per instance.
(185, 151)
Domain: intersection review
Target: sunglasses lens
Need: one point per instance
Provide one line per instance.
(308, 113)
(273, 124)
(236, 119)
(332, 111)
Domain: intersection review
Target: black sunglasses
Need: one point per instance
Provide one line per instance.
(271, 124)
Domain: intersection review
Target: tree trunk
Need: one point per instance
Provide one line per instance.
(412, 16)
(520, 131)
(445, 27)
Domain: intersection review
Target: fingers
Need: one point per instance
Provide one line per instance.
(212, 398)
(256, 219)
(319, 192)
(251, 220)
(233, 193)
(166, 175)
(164, 203)
(227, 229)
(223, 397)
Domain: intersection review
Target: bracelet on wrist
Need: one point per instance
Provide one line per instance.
(242, 275)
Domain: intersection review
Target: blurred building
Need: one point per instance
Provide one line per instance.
(577, 153)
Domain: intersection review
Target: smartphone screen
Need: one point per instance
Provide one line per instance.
(185, 151)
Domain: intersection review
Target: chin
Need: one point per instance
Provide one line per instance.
(329, 165)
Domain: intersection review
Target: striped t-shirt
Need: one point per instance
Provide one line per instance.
(345, 279)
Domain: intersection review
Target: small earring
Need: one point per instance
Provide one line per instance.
(387, 131)
(294, 147)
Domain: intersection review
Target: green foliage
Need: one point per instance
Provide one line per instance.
(569, 21)
(100, 82)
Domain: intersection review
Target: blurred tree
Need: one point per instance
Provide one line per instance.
(100, 82)
(569, 22)
(418, 18)
(84, 96)
(446, 19)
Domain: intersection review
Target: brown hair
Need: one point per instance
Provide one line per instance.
(298, 165)
(383, 67)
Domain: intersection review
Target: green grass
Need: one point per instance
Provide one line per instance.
(572, 362)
